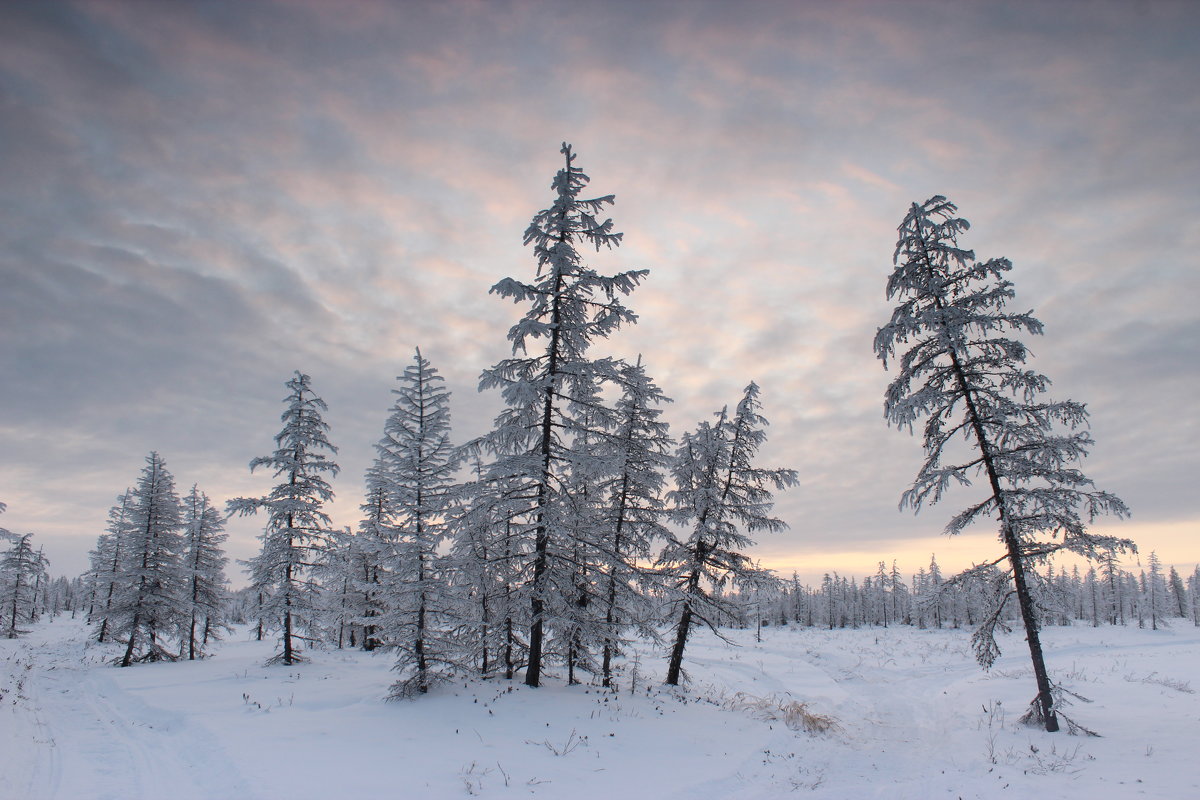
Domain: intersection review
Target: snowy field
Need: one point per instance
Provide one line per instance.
(915, 717)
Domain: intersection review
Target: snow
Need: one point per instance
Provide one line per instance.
(916, 718)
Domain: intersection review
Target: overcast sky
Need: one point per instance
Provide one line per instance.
(198, 198)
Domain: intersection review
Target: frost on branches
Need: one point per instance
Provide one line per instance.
(204, 571)
(148, 606)
(107, 561)
(22, 571)
(298, 534)
(961, 367)
(548, 386)
(724, 498)
(417, 464)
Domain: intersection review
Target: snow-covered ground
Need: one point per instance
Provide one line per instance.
(916, 718)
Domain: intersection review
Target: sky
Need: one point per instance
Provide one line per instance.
(198, 198)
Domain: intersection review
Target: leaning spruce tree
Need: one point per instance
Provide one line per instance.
(725, 499)
(961, 368)
(298, 534)
(570, 305)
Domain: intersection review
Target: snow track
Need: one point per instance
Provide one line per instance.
(102, 740)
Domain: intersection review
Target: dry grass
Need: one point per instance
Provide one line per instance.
(794, 714)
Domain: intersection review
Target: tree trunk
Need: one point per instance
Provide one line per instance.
(675, 665)
(1044, 699)
(128, 659)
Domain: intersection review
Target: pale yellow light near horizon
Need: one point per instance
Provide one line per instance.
(1173, 542)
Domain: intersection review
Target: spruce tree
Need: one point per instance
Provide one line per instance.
(106, 562)
(961, 369)
(373, 549)
(148, 606)
(1179, 600)
(204, 571)
(419, 465)
(724, 499)
(569, 306)
(1157, 602)
(1194, 591)
(484, 570)
(298, 536)
(22, 569)
(630, 511)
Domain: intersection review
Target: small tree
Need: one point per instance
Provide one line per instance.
(148, 605)
(1194, 591)
(630, 512)
(204, 570)
(724, 498)
(960, 369)
(1157, 602)
(484, 568)
(418, 466)
(106, 561)
(298, 533)
(1179, 599)
(22, 569)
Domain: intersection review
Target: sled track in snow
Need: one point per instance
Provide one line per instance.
(106, 742)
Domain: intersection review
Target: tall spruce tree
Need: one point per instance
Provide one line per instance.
(960, 367)
(148, 606)
(724, 499)
(204, 571)
(298, 534)
(569, 306)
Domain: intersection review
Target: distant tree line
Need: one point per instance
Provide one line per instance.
(1107, 595)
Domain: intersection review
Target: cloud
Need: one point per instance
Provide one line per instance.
(198, 198)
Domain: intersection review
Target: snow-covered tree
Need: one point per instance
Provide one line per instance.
(419, 464)
(1114, 585)
(961, 368)
(935, 591)
(1194, 591)
(298, 534)
(1155, 593)
(107, 560)
(372, 550)
(22, 570)
(484, 571)
(5, 533)
(724, 499)
(569, 306)
(1179, 598)
(630, 511)
(204, 572)
(149, 606)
